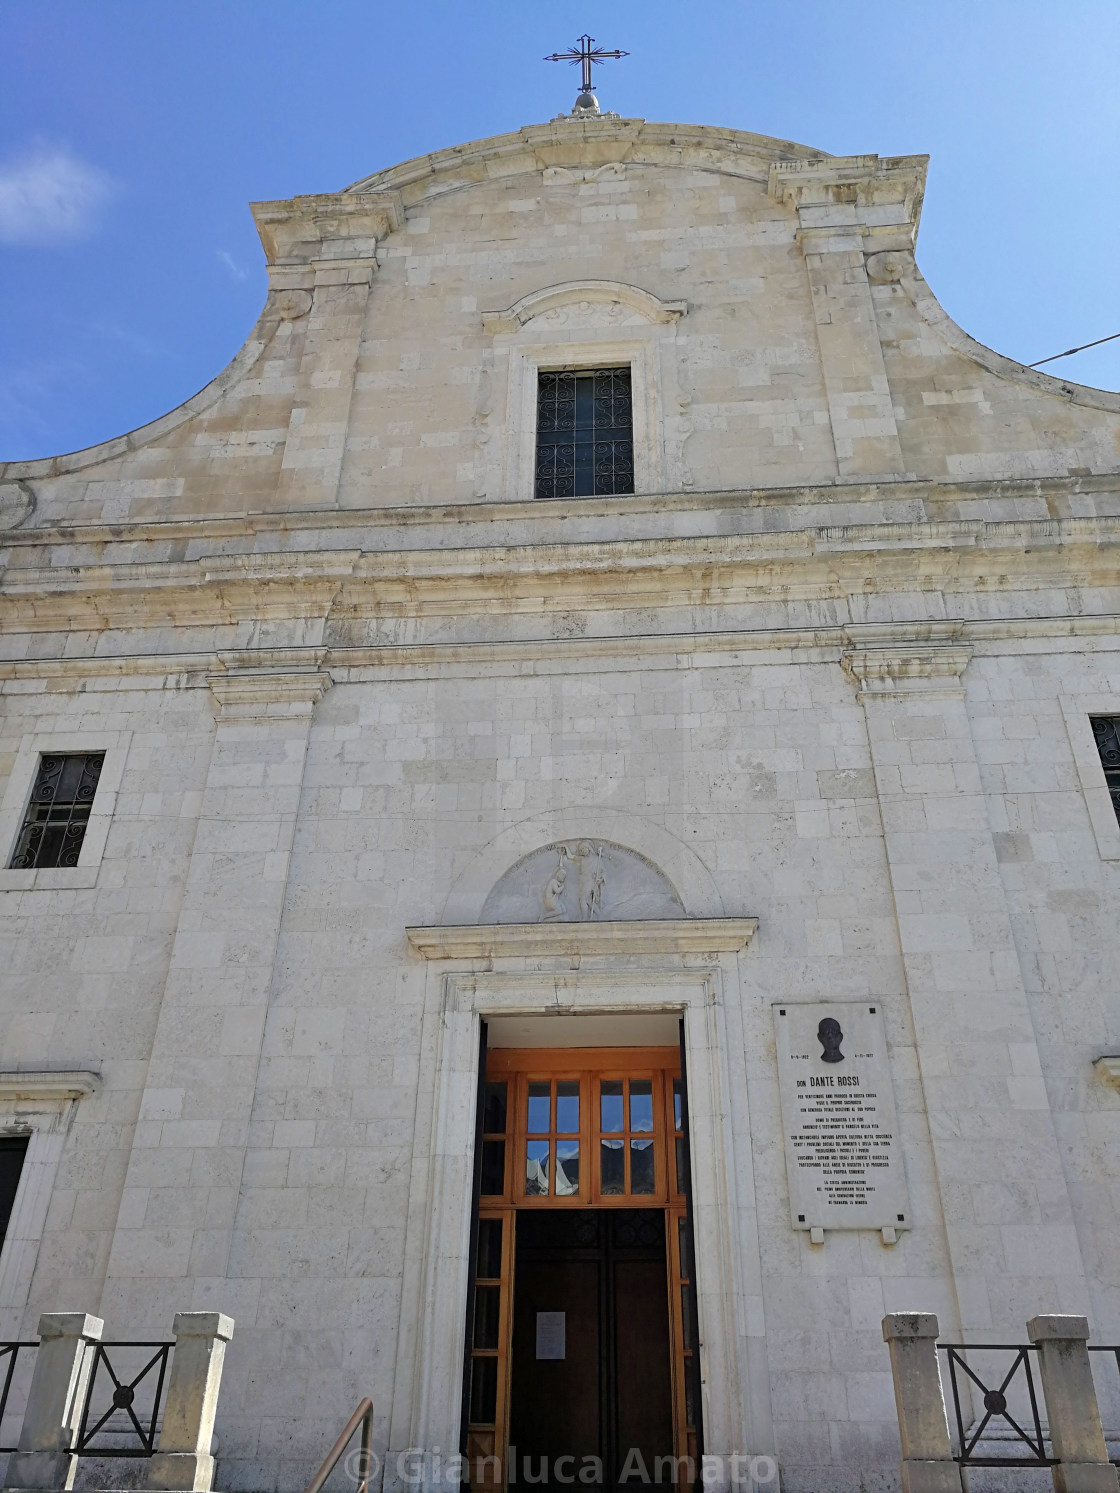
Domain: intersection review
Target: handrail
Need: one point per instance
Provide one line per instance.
(363, 1417)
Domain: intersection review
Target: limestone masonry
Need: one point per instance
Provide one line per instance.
(831, 666)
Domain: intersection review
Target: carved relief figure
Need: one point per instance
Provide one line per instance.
(581, 881)
(830, 1034)
(592, 879)
(552, 898)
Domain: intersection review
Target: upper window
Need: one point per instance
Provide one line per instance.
(1106, 733)
(56, 819)
(585, 433)
(13, 1149)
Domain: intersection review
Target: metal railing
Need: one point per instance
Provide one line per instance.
(1018, 1380)
(994, 1398)
(120, 1418)
(363, 1417)
(9, 1354)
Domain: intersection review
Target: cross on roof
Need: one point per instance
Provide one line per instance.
(585, 52)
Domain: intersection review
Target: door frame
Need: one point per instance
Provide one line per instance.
(735, 1396)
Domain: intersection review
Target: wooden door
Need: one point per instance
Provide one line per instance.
(572, 1132)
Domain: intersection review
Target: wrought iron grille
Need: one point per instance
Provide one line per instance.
(127, 1423)
(585, 433)
(994, 1399)
(9, 1356)
(1106, 731)
(55, 823)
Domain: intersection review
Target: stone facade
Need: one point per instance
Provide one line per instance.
(830, 668)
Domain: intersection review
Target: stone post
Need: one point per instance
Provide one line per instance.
(1071, 1406)
(927, 1454)
(54, 1404)
(183, 1458)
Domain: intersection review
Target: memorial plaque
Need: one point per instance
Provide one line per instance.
(843, 1155)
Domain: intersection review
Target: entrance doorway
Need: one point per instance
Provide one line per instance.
(581, 1357)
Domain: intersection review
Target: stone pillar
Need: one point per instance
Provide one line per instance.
(59, 1381)
(1003, 1195)
(177, 1211)
(923, 1429)
(322, 257)
(183, 1458)
(849, 207)
(1071, 1406)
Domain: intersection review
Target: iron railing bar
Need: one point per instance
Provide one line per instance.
(1041, 1441)
(334, 1456)
(82, 1436)
(956, 1397)
(163, 1357)
(12, 1349)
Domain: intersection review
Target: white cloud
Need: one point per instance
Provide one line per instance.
(231, 264)
(49, 196)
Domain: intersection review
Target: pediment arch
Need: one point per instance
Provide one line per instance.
(581, 880)
(586, 302)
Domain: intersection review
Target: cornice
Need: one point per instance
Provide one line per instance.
(578, 940)
(483, 658)
(806, 495)
(701, 571)
(879, 198)
(593, 141)
(268, 693)
(47, 1086)
(915, 668)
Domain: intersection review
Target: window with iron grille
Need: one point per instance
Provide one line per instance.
(13, 1148)
(1106, 733)
(585, 433)
(55, 823)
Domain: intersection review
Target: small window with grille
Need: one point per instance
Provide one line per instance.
(13, 1149)
(56, 819)
(585, 433)
(1106, 733)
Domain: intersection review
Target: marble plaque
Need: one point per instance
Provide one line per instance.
(843, 1155)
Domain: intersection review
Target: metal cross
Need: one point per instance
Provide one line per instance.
(585, 52)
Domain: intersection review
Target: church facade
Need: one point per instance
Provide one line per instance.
(560, 833)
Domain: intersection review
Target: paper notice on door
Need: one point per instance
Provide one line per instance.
(550, 1335)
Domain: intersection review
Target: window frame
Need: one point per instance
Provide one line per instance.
(529, 360)
(41, 1105)
(575, 430)
(17, 798)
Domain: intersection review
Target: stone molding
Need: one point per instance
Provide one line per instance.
(849, 492)
(322, 240)
(732, 1341)
(845, 196)
(46, 1085)
(544, 940)
(720, 648)
(40, 1104)
(253, 694)
(598, 574)
(604, 139)
(574, 292)
(892, 671)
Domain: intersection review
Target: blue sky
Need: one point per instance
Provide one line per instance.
(133, 134)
